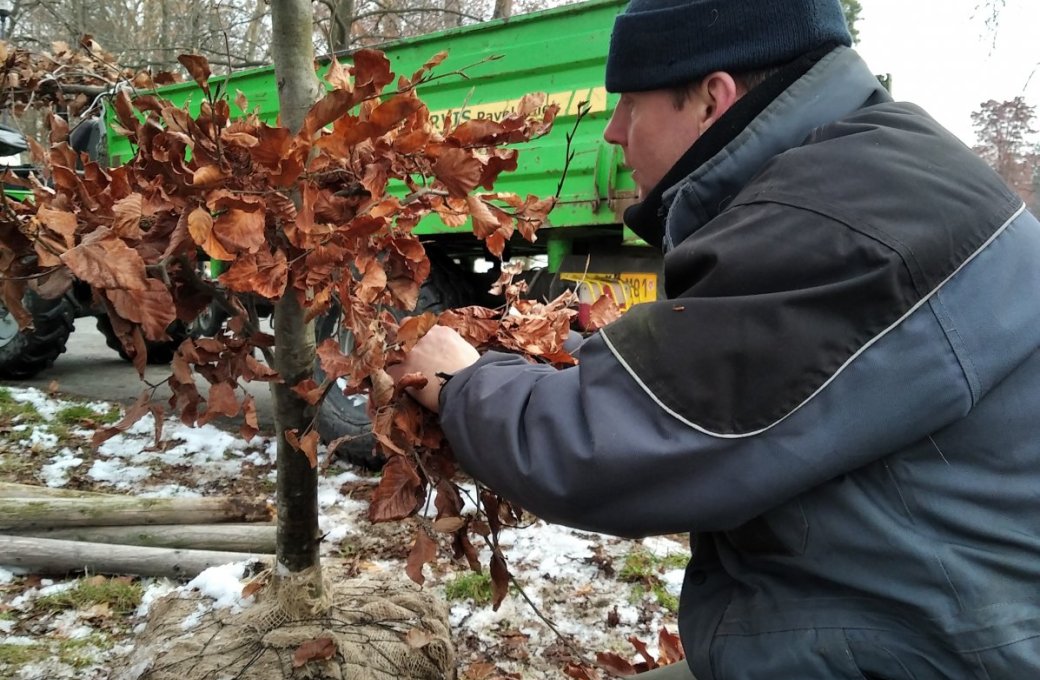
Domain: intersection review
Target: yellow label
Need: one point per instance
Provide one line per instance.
(567, 100)
(637, 286)
(642, 284)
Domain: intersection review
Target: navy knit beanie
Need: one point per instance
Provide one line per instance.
(663, 43)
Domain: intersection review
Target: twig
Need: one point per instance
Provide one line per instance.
(583, 109)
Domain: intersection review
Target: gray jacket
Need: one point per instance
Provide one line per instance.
(840, 403)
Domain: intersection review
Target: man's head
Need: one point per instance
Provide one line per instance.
(681, 64)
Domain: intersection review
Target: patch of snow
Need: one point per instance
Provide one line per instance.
(660, 546)
(224, 585)
(116, 473)
(56, 473)
(194, 618)
(41, 439)
(673, 580)
(19, 641)
(152, 592)
(6, 576)
(44, 405)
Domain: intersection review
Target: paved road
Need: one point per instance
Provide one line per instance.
(88, 368)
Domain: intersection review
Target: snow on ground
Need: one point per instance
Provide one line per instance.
(597, 590)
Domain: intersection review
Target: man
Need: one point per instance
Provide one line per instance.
(840, 399)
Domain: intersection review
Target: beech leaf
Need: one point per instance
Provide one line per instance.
(424, 549)
(399, 492)
(107, 263)
(458, 171)
(198, 68)
(319, 649)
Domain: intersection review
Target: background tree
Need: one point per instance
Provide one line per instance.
(852, 10)
(1007, 142)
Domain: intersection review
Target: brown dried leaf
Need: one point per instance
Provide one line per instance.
(424, 549)
(198, 68)
(308, 445)
(139, 410)
(373, 283)
(371, 70)
(221, 401)
(240, 231)
(458, 171)
(319, 649)
(200, 226)
(614, 663)
(448, 525)
(604, 311)
(126, 216)
(261, 273)
(414, 328)
(250, 425)
(107, 263)
(309, 391)
(499, 580)
(669, 647)
(399, 493)
(152, 308)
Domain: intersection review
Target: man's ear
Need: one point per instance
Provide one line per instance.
(718, 91)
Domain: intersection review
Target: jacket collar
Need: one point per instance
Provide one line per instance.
(778, 115)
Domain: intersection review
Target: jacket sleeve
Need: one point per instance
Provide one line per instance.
(588, 447)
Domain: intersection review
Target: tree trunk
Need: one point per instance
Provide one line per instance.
(503, 9)
(249, 538)
(341, 22)
(298, 89)
(91, 511)
(48, 556)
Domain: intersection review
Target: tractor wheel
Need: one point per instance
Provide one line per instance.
(24, 353)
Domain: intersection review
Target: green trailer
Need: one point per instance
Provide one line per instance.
(560, 52)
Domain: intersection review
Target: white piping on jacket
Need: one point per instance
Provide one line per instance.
(838, 372)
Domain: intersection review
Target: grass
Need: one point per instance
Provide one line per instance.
(83, 415)
(75, 652)
(19, 655)
(121, 596)
(13, 411)
(469, 586)
(645, 569)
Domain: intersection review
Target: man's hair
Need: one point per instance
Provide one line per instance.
(747, 81)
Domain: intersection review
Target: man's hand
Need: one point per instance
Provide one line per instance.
(441, 350)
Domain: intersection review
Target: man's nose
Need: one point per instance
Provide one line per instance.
(614, 132)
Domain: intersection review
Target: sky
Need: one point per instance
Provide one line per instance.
(943, 57)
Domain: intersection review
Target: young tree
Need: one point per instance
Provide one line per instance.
(1007, 142)
(303, 215)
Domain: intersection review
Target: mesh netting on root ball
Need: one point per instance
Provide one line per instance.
(366, 628)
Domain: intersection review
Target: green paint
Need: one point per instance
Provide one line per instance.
(561, 52)
(557, 248)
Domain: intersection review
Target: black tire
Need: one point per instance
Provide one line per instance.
(24, 353)
(158, 352)
(209, 321)
(341, 415)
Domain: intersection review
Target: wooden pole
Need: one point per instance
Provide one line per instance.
(250, 538)
(50, 556)
(49, 513)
